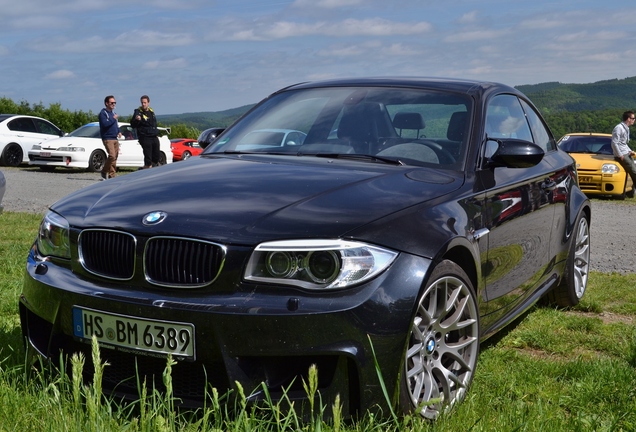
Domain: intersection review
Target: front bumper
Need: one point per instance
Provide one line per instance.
(58, 159)
(248, 334)
(597, 183)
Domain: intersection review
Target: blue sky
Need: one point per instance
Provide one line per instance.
(207, 55)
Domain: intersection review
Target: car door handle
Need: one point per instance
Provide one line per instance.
(548, 185)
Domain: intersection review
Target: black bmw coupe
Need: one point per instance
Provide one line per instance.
(416, 218)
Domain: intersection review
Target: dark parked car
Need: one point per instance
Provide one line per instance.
(418, 218)
(209, 135)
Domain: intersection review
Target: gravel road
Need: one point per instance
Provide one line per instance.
(613, 246)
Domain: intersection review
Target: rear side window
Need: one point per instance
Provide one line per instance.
(22, 125)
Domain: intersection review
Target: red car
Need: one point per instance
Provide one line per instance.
(183, 148)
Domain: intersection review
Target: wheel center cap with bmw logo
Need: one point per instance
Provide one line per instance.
(154, 218)
(430, 346)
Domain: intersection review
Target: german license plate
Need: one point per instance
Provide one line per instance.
(585, 179)
(45, 154)
(126, 332)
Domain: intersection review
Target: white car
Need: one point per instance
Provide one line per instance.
(266, 138)
(83, 148)
(18, 133)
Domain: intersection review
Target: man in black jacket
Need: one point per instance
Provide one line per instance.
(145, 122)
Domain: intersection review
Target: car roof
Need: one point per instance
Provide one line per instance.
(588, 134)
(4, 117)
(458, 85)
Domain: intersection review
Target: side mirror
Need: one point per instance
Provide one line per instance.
(514, 153)
(208, 136)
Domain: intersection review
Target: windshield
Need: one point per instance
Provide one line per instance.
(587, 144)
(86, 131)
(407, 126)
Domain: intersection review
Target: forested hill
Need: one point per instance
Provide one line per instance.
(554, 97)
(594, 107)
(205, 120)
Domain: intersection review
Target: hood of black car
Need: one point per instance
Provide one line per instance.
(248, 199)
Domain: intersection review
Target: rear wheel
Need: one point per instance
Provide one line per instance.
(186, 155)
(96, 161)
(162, 159)
(574, 283)
(12, 155)
(443, 346)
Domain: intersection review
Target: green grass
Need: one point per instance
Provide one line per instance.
(552, 370)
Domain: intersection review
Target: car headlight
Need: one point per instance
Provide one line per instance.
(53, 236)
(610, 168)
(36, 147)
(71, 149)
(317, 264)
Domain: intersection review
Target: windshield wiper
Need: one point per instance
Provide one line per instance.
(390, 161)
(386, 160)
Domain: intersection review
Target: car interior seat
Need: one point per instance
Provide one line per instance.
(409, 121)
(362, 124)
(457, 126)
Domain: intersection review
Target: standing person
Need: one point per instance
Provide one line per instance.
(620, 145)
(109, 131)
(145, 122)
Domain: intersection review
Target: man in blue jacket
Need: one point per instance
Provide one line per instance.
(109, 131)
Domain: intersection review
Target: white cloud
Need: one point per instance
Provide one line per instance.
(468, 18)
(137, 39)
(261, 31)
(61, 74)
(125, 42)
(471, 36)
(177, 63)
(541, 23)
(326, 4)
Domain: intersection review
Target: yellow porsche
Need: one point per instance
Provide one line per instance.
(599, 173)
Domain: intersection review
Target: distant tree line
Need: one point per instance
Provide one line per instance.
(561, 122)
(68, 121)
(602, 121)
(64, 119)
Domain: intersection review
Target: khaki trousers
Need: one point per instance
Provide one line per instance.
(112, 148)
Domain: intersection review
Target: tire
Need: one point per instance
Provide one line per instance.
(186, 155)
(96, 161)
(443, 344)
(574, 282)
(12, 155)
(162, 159)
